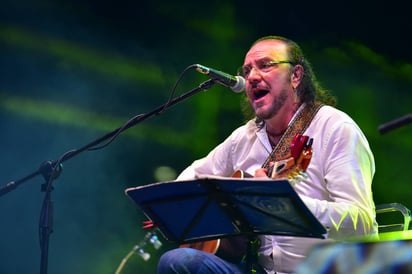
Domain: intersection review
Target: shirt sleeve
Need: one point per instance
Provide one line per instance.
(217, 162)
(348, 169)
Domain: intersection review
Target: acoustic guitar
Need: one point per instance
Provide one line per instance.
(293, 168)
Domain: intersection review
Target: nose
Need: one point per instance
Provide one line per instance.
(254, 74)
(253, 78)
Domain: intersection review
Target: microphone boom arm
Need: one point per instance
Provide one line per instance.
(202, 87)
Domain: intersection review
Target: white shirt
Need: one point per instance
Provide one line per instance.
(337, 190)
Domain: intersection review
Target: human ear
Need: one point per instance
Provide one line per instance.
(297, 75)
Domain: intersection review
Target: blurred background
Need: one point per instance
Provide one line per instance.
(71, 71)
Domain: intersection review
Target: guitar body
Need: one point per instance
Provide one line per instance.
(230, 248)
(241, 174)
(210, 246)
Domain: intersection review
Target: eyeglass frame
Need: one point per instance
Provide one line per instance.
(268, 66)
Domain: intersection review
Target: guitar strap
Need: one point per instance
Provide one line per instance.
(298, 125)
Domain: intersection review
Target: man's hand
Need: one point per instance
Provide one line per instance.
(261, 172)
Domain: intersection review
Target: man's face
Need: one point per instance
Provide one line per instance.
(268, 83)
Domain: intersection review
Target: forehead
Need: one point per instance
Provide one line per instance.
(273, 49)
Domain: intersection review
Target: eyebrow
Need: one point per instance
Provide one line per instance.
(263, 59)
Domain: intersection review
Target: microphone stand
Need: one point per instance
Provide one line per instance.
(50, 170)
(394, 124)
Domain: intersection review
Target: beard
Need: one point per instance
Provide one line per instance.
(276, 105)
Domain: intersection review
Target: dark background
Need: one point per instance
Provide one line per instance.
(72, 71)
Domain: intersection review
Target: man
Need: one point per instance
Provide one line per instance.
(280, 85)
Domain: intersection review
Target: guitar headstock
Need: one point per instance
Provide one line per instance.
(294, 167)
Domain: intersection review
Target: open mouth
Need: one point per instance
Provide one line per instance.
(260, 93)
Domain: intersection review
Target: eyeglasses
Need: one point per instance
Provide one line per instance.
(262, 66)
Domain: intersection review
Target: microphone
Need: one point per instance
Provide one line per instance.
(236, 83)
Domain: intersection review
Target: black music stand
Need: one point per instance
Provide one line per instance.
(213, 207)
